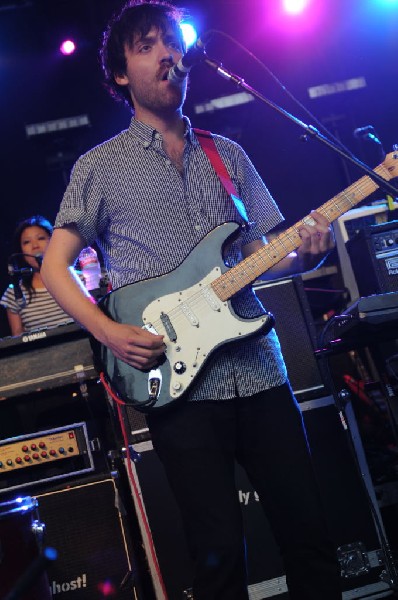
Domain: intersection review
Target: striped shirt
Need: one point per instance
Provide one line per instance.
(126, 195)
(40, 312)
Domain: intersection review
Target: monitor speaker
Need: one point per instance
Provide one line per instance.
(286, 299)
(84, 523)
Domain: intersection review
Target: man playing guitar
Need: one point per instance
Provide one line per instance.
(149, 197)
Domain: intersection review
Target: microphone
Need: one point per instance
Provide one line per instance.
(367, 132)
(363, 131)
(18, 292)
(39, 260)
(194, 55)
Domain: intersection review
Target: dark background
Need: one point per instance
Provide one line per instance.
(335, 41)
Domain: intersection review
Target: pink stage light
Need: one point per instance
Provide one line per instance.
(107, 589)
(296, 17)
(295, 7)
(67, 47)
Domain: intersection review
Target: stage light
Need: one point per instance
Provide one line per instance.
(223, 102)
(67, 47)
(189, 34)
(338, 87)
(295, 7)
(57, 125)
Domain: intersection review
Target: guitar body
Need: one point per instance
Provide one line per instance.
(183, 307)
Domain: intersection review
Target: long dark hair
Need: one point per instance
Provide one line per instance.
(18, 260)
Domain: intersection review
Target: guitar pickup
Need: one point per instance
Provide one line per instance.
(211, 299)
(190, 315)
(170, 331)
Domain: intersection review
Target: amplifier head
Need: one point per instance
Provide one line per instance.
(374, 258)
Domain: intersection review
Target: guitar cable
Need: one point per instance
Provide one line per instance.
(119, 403)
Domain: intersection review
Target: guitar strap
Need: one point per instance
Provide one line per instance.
(208, 145)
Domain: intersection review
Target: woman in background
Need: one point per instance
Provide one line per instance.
(31, 307)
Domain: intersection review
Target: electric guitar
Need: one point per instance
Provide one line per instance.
(191, 306)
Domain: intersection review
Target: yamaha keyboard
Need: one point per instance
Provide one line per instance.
(44, 359)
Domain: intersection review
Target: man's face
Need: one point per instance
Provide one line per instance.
(148, 61)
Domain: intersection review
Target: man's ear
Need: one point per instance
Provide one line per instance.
(121, 79)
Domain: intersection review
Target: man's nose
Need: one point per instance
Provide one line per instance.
(165, 54)
(167, 57)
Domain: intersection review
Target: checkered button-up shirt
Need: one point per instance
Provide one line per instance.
(127, 195)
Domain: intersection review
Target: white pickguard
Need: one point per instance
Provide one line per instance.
(201, 323)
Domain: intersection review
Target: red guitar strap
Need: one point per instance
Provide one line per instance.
(208, 145)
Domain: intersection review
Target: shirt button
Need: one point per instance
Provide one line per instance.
(146, 144)
(157, 136)
(198, 227)
(168, 162)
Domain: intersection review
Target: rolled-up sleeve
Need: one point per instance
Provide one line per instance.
(83, 202)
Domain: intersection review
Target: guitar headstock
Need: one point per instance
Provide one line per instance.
(391, 163)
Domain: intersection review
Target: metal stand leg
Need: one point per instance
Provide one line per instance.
(347, 416)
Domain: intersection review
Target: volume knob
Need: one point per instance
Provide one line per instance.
(180, 367)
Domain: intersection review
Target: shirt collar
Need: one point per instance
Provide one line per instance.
(146, 134)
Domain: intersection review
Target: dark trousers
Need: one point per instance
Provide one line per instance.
(198, 442)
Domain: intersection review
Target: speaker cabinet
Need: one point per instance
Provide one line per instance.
(84, 524)
(348, 514)
(287, 301)
(374, 258)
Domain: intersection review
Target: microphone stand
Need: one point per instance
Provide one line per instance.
(391, 576)
(310, 130)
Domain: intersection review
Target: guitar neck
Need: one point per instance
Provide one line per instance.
(249, 269)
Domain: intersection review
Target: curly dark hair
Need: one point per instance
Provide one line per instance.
(18, 260)
(136, 17)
